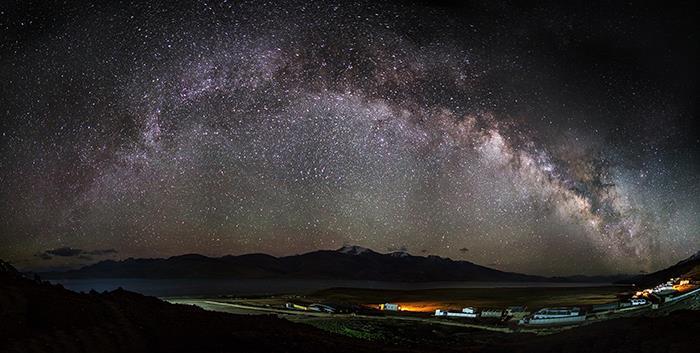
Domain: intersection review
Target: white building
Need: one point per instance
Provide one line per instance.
(492, 313)
(322, 308)
(462, 313)
(469, 310)
(517, 312)
(551, 313)
(636, 302)
(554, 316)
(389, 307)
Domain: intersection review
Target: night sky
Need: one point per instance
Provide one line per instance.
(543, 138)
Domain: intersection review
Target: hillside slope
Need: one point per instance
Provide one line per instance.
(40, 317)
(688, 268)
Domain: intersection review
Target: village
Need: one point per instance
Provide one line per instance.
(663, 296)
(523, 310)
(674, 294)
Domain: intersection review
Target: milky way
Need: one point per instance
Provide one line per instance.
(537, 139)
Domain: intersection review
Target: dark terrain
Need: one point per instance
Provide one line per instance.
(40, 317)
(36, 316)
(689, 267)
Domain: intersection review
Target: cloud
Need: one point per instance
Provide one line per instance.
(64, 252)
(67, 251)
(44, 256)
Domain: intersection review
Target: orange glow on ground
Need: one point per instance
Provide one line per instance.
(682, 288)
(420, 307)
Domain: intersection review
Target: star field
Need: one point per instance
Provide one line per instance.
(537, 139)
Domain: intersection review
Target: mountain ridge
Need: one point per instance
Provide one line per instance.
(350, 262)
(688, 267)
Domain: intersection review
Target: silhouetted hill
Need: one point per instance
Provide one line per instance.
(689, 267)
(40, 317)
(349, 263)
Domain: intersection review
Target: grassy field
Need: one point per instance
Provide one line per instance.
(409, 333)
(454, 298)
(448, 298)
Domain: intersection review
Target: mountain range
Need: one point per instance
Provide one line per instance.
(347, 263)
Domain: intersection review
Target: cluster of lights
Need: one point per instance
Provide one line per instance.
(672, 285)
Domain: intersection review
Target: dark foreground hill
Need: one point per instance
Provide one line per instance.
(39, 317)
(688, 268)
(347, 263)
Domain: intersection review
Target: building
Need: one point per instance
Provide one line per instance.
(673, 298)
(468, 314)
(389, 307)
(496, 313)
(469, 310)
(554, 316)
(516, 312)
(322, 308)
(296, 306)
(636, 301)
(549, 313)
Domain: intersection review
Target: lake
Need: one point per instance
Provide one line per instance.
(243, 287)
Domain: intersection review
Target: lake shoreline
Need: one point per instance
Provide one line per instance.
(209, 287)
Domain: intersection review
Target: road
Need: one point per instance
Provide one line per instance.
(211, 305)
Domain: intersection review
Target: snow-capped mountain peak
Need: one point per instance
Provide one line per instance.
(353, 250)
